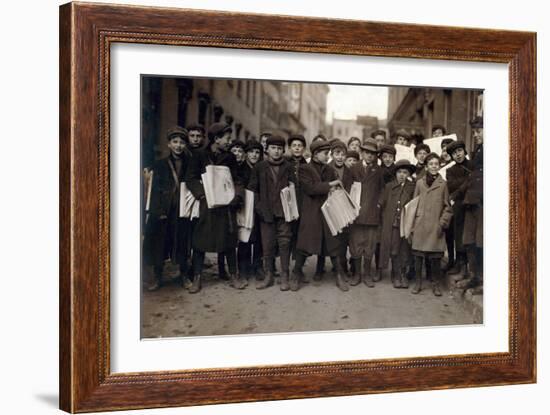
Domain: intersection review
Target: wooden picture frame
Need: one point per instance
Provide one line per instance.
(86, 33)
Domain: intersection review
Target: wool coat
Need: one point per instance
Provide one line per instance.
(457, 182)
(433, 216)
(266, 189)
(372, 186)
(347, 179)
(295, 169)
(166, 234)
(216, 229)
(394, 198)
(314, 181)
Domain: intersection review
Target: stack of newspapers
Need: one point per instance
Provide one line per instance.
(245, 217)
(339, 211)
(408, 214)
(290, 203)
(189, 206)
(218, 186)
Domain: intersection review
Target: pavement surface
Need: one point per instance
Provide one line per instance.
(219, 309)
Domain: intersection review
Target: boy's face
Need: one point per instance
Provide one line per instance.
(177, 145)
(297, 148)
(421, 156)
(239, 153)
(433, 166)
(224, 141)
(477, 133)
(387, 159)
(354, 146)
(253, 155)
(263, 142)
(321, 156)
(438, 133)
(459, 155)
(195, 138)
(275, 152)
(444, 155)
(401, 141)
(368, 156)
(380, 140)
(339, 157)
(401, 175)
(350, 161)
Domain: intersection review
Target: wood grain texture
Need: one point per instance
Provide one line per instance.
(86, 33)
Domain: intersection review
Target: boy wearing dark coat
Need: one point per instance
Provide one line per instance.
(165, 232)
(364, 231)
(267, 180)
(433, 216)
(216, 229)
(314, 237)
(473, 217)
(387, 157)
(457, 181)
(397, 194)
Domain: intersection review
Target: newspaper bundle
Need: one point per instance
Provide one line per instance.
(339, 211)
(290, 203)
(435, 143)
(408, 213)
(404, 152)
(355, 194)
(218, 186)
(189, 205)
(245, 217)
(443, 170)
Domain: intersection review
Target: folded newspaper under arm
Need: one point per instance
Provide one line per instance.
(218, 186)
(339, 211)
(408, 214)
(355, 194)
(290, 203)
(245, 217)
(189, 205)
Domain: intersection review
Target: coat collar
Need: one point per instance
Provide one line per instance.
(438, 182)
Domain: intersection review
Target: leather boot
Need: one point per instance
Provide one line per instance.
(377, 275)
(196, 285)
(284, 281)
(417, 285)
(404, 279)
(341, 281)
(365, 274)
(395, 278)
(157, 282)
(356, 272)
(237, 281)
(295, 280)
(268, 276)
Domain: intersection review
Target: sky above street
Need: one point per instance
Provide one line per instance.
(348, 101)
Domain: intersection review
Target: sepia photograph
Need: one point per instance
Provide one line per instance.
(270, 206)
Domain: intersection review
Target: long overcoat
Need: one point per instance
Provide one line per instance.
(433, 215)
(216, 229)
(314, 181)
(295, 177)
(347, 179)
(393, 198)
(260, 183)
(457, 182)
(165, 233)
(372, 186)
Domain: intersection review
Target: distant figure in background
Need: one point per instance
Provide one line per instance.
(263, 141)
(354, 144)
(420, 152)
(445, 157)
(352, 157)
(438, 130)
(402, 138)
(380, 137)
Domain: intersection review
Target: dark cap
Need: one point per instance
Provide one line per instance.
(369, 144)
(403, 133)
(352, 139)
(455, 145)
(446, 142)
(421, 146)
(319, 145)
(296, 137)
(275, 140)
(336, 143)
(319, 137)
(404, 164)
(218, 129)
(237, 143)
(352, 153)
(253, 145)
(477, 122)
(177, 132)
(388, 148)
(432, 156)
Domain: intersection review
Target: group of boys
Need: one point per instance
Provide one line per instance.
(274, 163)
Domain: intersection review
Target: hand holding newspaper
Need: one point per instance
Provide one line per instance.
(355, 195)
(245, 217)
(189, 206)
(408, 214)
(339, 211)
(290, 203)
(218, 186)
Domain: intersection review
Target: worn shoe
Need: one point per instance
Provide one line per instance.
(238, 282)
(436, 290)
(284, 281)
(341, 282)
(417, 286)
(266, 282)
(377, 275)
(196, 285)
(294, 282)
